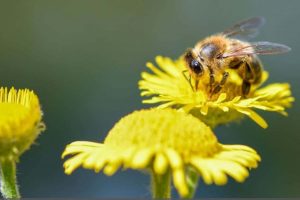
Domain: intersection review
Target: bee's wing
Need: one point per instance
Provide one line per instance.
(245, 29)
(258, 48)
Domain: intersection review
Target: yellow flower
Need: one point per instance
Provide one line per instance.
(163, 140)
(169, 88)
(20, 122)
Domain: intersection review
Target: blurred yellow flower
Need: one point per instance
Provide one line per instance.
(164, 141)
(169, 88)
(20, 122)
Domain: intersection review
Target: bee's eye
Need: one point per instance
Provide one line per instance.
(196, 67)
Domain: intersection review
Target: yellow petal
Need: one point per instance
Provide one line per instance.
(254, 116)
(180, 183)
(73, 163)
(99, 164)
(198, 163)
(235, 170)
(111, 168)
(160, 164)
(174, 159)
(142, 158)
(218, 176)
(238, 147)
(204, 109)
(92, 159)
(221, 98)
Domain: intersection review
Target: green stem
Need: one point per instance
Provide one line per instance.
(192, 182)
(9, 187)
(161, 185)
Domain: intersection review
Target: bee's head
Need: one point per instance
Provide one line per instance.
(193, 64)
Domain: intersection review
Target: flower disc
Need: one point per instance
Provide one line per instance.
(20, 122)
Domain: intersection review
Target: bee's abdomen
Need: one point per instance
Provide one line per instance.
(255, 69)
(250, 69)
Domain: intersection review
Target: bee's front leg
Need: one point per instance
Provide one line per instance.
(211, 80)
(220, 85)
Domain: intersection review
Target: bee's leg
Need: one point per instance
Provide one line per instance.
(235, 64)
(219, 86)
(249, 74)
(224, 78)
(196, 84)
(246, 86)
(211, 79)
(249, 77)
(188, 78)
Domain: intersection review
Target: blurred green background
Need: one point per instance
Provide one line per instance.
(84, 59)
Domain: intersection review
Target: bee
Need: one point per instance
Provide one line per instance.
(208, 61)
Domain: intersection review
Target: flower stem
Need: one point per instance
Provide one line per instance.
(192, 182)
(9, 187)
(161, 185)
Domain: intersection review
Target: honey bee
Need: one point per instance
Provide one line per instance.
(211, 57)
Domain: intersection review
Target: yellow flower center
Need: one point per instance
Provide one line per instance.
(20, 122)
(165, 128)
(10, 111)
